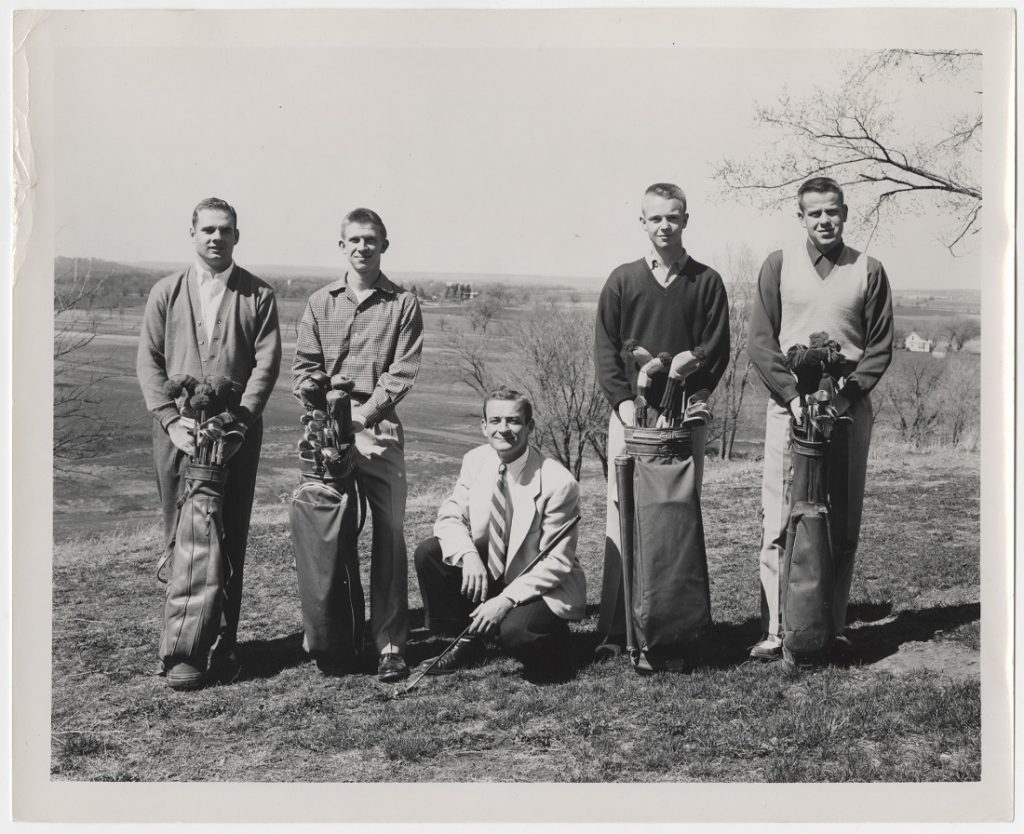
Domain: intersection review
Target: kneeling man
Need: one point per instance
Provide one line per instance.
(507, 506)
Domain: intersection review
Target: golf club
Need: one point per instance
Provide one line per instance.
(561, 534)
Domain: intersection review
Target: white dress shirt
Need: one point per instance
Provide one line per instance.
(211, 293)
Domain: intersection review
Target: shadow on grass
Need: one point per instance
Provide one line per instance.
(872, 643)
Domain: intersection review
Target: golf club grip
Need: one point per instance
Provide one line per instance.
(669, 394)
(624, 482)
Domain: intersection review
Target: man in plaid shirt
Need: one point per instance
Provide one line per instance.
(367, 328)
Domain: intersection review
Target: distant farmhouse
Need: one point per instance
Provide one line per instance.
(918, 344)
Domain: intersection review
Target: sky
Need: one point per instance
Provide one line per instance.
(528, 161)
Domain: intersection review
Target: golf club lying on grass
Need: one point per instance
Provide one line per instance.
(561, 534)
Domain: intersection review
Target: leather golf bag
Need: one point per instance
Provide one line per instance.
(668, 579)
(808, 571)
(325, 530)
(199, 569)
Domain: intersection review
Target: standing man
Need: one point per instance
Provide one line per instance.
(367, 328)
(667, 302)
(820, 284)
(214, 318)
(509, 503)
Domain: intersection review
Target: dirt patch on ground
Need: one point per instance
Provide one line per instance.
(948, 658)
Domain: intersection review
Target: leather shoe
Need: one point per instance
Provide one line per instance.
(184, 676)
(391, 668)
(467, 652)
(769, 648)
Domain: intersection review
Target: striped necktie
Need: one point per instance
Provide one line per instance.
(498, 528)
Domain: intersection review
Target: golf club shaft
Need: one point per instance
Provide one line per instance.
(561, 534)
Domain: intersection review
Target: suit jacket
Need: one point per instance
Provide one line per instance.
(543, 498)
(245, 343)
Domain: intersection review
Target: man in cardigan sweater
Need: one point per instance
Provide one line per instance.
(668, 302)
(367, 328)
(819, 285)
(213, 318)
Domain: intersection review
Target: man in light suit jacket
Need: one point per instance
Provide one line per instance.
(211, 319)
(508, 504)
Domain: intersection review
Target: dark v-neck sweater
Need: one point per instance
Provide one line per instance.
(691, 312)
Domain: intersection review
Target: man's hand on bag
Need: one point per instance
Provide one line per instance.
(487, 617)
(683, 364)
(474, 578)
(358, 421)
(796, 411)
(180, 433)
(627, 412)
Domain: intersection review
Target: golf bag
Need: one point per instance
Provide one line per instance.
(325, 527)
(199, 570)
(808, 581)
(808, 571)
(665, 572)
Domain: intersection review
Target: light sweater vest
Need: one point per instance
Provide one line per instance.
(834, 304)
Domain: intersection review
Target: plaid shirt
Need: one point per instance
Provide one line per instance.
(377, 343)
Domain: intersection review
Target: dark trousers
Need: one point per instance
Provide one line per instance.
(531, 633)
(239, 490)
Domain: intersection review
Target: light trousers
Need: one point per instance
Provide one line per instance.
(847, 463)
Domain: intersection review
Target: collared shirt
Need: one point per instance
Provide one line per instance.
(515, 468)
(377, 342)
(823, 262)
(766, 318)
(666, 274)
(211, 292)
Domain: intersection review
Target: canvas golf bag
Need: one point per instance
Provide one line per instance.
(327, 514)
(665, 573)
(325, 529)
(198, 569)
(808, 581)
(808, 572)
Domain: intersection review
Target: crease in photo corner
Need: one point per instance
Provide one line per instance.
(23, 171)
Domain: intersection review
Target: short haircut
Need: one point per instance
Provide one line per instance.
(367, 216)
(820, 185)
(503, 392)
(218, 205)
(668, 190)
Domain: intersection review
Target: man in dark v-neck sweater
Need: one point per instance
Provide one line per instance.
(667, 302)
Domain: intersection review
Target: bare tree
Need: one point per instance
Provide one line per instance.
(859, 135)
(958, 331)
(960, 393)
(557, 370)
(741, 271)
(80, 427)
(470, 360)
(913, 389)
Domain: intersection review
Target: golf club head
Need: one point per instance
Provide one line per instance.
(305, 446)
(306, 419)
(316, 426)
(331, 455)
(319, 415)
(320, 378)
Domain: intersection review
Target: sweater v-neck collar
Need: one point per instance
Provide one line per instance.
(681, 278)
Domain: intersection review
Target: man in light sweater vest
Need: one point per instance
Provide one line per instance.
(818, 285)
(669, 303)
(212, 318)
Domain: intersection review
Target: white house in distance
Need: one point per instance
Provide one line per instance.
(918, 344)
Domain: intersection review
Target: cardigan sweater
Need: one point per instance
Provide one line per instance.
(691, 313)
(766, 322)
(245, 343)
